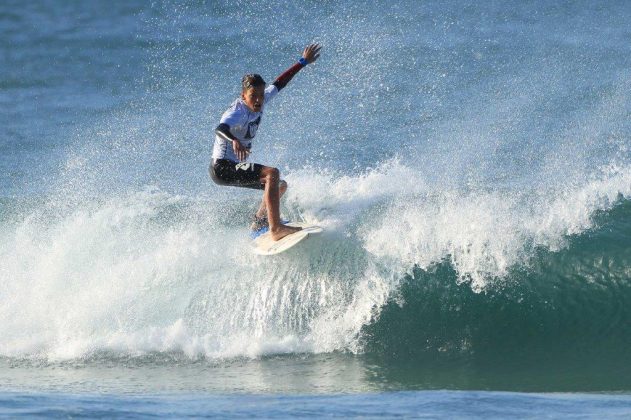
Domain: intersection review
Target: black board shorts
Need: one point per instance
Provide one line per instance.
(236, 174)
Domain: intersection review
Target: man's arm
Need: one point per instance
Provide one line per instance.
(223, 131)
(309, 55)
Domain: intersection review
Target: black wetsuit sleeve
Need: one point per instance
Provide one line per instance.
(223, 131)
(282, 80)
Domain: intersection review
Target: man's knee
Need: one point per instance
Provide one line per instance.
(282, 184)
(272, 175)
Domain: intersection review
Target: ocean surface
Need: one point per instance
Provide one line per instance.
(470, 163)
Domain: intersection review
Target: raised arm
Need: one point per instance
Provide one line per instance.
(309, 55)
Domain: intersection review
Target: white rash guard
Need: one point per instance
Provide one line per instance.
(243, 124)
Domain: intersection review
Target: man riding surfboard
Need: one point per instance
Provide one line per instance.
(233, 141)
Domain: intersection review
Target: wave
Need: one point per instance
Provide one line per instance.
(560, 305)
(402, 268)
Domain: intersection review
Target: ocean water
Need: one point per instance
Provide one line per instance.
(470, 163)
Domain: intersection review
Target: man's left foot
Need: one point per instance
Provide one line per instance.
(259, 223)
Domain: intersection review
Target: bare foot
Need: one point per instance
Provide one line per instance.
(280, 231)
(259, 223)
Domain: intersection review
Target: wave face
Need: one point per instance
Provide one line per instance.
(470, 165)
(558, 306)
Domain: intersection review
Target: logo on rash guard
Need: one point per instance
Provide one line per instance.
(244, 166)
(253, 126)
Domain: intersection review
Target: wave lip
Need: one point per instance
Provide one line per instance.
(485, 234)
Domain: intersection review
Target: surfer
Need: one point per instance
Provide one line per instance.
(233, 142)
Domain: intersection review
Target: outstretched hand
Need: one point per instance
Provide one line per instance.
(311, 53)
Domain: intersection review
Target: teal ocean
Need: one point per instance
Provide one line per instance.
(470, 164)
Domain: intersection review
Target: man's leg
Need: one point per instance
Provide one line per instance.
(262, 211)
(271, 198)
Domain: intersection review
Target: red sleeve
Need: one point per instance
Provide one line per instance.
(282, 80)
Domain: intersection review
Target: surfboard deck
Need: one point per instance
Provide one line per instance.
(264, 245)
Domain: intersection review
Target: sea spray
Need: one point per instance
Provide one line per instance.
(457, 157)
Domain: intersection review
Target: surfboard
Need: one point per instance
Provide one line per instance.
(264, 245)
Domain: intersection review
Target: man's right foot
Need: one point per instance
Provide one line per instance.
(280, 231)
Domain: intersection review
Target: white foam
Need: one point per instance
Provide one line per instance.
(151, 272)
(483, 234)
(123, 275)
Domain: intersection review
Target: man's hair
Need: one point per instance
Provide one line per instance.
(251, 81)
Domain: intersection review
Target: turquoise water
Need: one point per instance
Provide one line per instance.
(470, 164)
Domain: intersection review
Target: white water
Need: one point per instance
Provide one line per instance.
(148, 271)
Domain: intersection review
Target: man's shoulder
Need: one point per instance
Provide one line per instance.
(237, 108)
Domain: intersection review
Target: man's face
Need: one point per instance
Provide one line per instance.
(253, 98)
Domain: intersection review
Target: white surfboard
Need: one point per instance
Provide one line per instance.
(264, 245)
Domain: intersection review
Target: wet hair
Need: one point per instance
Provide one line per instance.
(251, 81)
